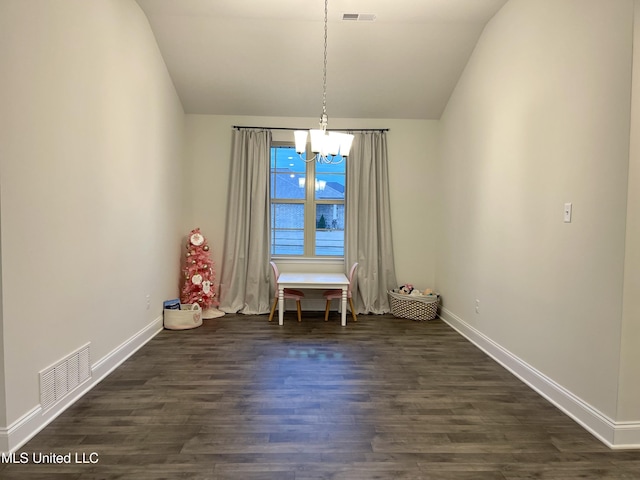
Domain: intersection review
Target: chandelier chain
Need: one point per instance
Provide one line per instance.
(328, 147)
(324, 70)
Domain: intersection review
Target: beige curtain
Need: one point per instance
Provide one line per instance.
(245, 270)
(368, 229)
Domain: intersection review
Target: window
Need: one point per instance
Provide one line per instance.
(307, 218)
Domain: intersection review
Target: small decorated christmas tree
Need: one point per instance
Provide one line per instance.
(199, 276)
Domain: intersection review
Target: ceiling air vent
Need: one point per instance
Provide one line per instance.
(358, 17)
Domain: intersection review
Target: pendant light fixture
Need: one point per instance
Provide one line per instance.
(327, 146)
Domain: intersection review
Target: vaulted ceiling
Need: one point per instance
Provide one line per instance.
(265, 58)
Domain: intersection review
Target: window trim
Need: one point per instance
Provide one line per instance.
(310, 204)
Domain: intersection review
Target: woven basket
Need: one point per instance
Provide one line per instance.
(189, 316)
(413, 307)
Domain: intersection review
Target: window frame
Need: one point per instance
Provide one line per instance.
(310, 203)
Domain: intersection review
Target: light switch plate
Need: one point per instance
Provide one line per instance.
(567, 212)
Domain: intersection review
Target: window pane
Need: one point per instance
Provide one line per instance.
(331, 167)
(287, 185)
(330, 230)
(287, 229)
(330, 187)
(330, 181)
(285, 158)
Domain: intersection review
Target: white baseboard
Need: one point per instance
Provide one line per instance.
(626, 436)
(620, 435)
(21, 431)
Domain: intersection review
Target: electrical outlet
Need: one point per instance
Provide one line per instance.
(148, 301)
(477, 306)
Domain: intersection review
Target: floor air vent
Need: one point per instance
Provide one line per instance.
(63, 377)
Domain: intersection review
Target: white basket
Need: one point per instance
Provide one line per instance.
(413, 307)
(189, 316)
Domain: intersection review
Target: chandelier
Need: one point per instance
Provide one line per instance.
(327, 146)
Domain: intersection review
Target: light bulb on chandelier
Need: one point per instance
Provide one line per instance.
(327, 146)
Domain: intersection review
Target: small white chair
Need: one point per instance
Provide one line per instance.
(289, 293)
(337, 293)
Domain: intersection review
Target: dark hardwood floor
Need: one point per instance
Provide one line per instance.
(383, 398)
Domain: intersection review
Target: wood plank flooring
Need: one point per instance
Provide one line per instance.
(383, 398)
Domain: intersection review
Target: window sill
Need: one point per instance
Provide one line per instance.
(301, 264)
(310, 260)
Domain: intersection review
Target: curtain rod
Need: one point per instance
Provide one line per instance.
(241, 127)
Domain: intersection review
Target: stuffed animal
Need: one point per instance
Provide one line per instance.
(407, 288)
(427, 291)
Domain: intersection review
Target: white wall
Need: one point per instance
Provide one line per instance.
(629, 394)
(91, 134)
(540, 117)
(412, 159)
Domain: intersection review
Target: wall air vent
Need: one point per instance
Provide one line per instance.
(60, 379)
(358, 17)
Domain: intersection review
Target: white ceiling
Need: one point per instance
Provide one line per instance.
(265, 58)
